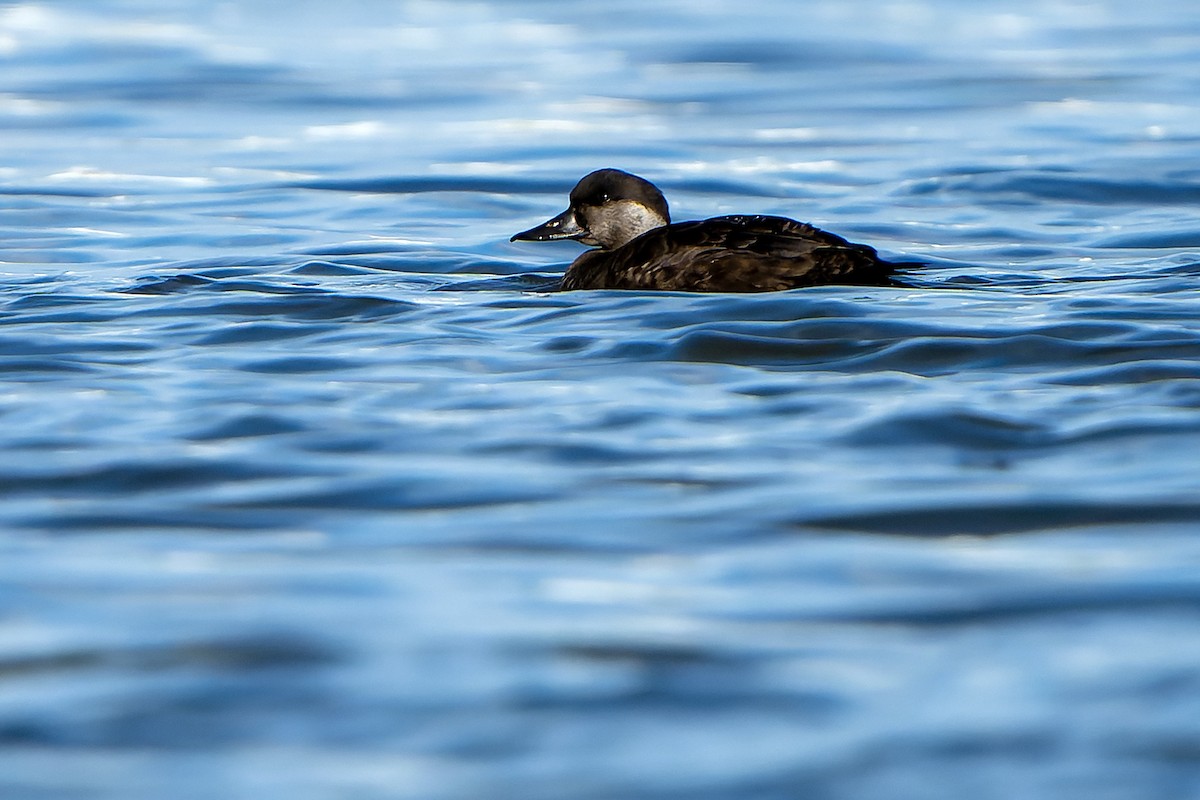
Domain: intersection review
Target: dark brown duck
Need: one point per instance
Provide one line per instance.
(626, 218)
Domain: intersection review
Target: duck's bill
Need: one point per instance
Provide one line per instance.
(563, 226)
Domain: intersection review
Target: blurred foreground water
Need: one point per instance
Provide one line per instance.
(312, 488)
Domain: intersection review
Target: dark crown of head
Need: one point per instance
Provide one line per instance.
(608, 185)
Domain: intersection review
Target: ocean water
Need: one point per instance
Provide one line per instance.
(312, 487)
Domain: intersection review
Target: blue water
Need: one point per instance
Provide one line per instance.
(311, 487)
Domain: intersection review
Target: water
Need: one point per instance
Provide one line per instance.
(313, 489)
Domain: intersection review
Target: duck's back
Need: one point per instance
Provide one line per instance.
(730, 254)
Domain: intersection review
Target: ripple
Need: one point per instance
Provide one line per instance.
(210, 296)
(526, 282)
(139, 477)
(327, 269)
(183, 283)
(1072, 188)
(299, 365)
(448, 183)
(995, 608)
(1155, 240)
(410, 493)
(250, 332)
(986, 519)
(953, 429)
(723, 347)
(30, 367)
(247, 426)
(269, 651)
(1137, 373)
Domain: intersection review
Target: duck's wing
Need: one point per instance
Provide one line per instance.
(757, 233)
(730, 254)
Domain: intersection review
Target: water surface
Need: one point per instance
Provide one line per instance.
(313, 487)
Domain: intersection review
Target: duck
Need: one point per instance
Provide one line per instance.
(626, 220)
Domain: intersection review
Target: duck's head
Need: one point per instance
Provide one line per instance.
(608, 208)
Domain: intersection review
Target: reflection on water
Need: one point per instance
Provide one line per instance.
(313, 486)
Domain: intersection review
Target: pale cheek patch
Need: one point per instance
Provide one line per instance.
(615, 224)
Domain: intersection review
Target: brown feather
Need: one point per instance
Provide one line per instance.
(730, 254)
